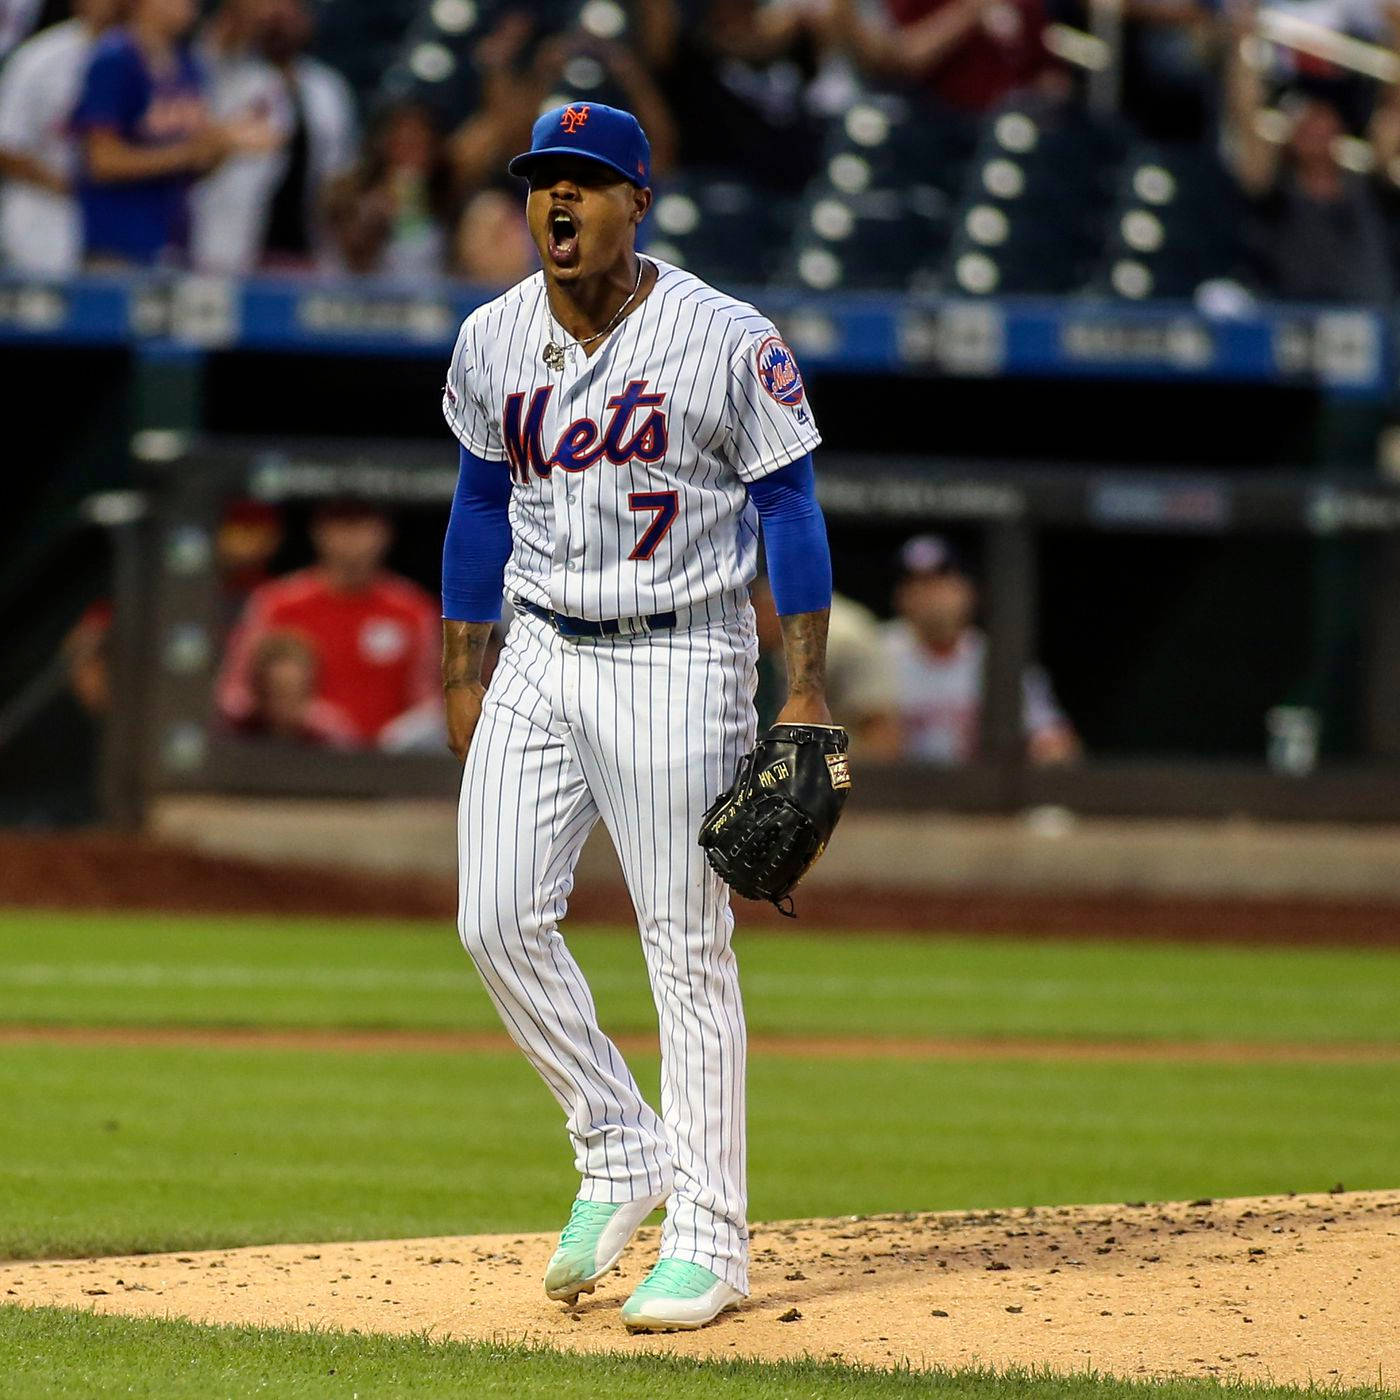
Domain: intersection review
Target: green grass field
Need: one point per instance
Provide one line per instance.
(61, 1354)
(162, 970)
(117, 1148)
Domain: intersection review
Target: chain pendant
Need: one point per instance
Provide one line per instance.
(553, 356)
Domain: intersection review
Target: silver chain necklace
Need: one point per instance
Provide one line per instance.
(553, 355)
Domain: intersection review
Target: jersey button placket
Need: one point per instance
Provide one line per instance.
(556, 484)
(573, 395)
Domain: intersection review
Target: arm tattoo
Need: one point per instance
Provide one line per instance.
(463, 651)
(804, 651)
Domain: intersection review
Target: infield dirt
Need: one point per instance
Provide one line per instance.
(1291, 1289)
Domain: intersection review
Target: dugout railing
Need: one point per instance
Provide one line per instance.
(164, 737)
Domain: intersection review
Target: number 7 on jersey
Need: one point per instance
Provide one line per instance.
(664, 505)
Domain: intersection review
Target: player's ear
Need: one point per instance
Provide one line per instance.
(641, 202)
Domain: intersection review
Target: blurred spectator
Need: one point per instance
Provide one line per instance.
(736, 73)
(376, 636)
(1363, 19)
(939, 658)
(390, 213)
(521, 72)
(492, 244)
(263, 209)
(146, 136)
(859, 682)
(17, 21)
(250, 534)
(1353, 94)
(40, 227)
(283, 689)
(969, 54)
(511, 95)
(1318, 229)
(86, 655)
(1170, 60)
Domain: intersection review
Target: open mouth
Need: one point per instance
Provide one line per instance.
(563, 236)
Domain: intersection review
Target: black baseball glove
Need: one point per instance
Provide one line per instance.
(766, 832)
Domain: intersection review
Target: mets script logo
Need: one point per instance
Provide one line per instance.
(573, 117)
(583, 443)
(777, 368)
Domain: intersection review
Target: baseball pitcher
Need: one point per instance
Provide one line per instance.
(624, 428)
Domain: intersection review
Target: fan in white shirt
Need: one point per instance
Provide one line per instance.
(938, 661)
(40, 228)
(253, 50)
(17, 19)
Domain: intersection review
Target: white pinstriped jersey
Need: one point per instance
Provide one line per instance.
(628, 467)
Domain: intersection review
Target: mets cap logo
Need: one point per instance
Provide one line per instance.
(777, 368)
(573, 117)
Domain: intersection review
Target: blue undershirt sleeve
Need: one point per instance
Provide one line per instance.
(477, 545)
(794, 536)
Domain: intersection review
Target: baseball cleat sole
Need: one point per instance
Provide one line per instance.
(646, 1324)
(591, 1244)
(570, 1298)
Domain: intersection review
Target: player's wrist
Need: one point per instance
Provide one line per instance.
(806, 707)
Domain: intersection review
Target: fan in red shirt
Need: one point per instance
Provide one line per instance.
(374, 634)
(970, 54)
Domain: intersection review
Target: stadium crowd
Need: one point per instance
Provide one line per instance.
(146, 132)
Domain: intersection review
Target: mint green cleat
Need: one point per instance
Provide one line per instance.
(676, 1296)
(591, 1243)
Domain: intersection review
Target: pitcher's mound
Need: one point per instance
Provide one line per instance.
(1290, 1289)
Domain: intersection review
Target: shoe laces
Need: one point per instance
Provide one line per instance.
(672, 1278)
(585, 1217)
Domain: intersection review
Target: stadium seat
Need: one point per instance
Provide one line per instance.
(1175, 224)
(717, 227)
(887, 141)
(432, 62)
(880, 207)
(874, 239)
(363, 42)
(1030, 215)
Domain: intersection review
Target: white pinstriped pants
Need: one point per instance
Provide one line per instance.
(644, 732)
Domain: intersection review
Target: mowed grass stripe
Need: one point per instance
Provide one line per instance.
(167, 970)
(136, 1149)
(56, 1354)
(381, 1041)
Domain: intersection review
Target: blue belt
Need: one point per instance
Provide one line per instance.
(608, 627)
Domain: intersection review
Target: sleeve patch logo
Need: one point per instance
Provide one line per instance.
(777, 369)
(839, 765)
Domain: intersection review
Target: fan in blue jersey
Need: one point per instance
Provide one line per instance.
(146, 136)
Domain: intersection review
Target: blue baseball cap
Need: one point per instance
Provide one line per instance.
(608, 135)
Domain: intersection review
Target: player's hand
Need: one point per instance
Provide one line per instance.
(806, 708)
(463, 703)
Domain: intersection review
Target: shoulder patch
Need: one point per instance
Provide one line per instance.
(778, 372)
